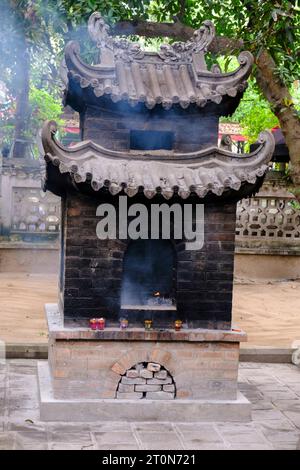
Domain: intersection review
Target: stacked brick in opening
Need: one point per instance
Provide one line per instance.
(147, 380)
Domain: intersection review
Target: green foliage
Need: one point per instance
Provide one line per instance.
(254, 113)
(42, 107)
(295, 204)
(274, 25)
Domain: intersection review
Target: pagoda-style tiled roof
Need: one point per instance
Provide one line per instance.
(155, 172)
(176, 74)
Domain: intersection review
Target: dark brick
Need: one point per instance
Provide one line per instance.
(198, 276)
(220, 256)
(216, 286)
(74, 212)
(219, 296)
(101, 124)
(219, 276)
(71, 292)
(226, 266)
(184, 275)
(73, 251)
(73, 262)
(227, 246)
(211, 266)
(72, 272)
(79, 283)
(214, 247)
(220, 236)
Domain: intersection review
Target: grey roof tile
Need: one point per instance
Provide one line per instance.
(176, 74)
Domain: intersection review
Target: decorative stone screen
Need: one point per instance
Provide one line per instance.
(34, 211)
(268, 217)
(268, 223)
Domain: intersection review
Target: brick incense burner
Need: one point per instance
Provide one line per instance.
(149, 125)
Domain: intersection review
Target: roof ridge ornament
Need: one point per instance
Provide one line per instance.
(122, 48)
(98, 29)
(179, 51)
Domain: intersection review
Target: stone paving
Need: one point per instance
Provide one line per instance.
(273, 389)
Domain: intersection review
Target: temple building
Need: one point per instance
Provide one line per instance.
(149, 127)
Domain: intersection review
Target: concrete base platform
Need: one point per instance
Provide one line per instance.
(51, 409)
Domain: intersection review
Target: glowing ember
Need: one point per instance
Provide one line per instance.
(158, 298)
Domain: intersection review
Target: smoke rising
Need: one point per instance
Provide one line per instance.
(149, 268)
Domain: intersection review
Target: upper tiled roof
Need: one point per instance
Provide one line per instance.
(177, 73)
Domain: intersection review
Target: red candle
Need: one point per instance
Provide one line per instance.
(100, 324)
(93, 323)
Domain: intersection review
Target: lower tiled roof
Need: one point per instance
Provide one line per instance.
(153, 172)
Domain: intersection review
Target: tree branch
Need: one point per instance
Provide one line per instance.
(151, 29)
(176, 30)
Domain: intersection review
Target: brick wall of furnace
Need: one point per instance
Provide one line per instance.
(93, 268)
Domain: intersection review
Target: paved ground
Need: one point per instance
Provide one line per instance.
(274, 390)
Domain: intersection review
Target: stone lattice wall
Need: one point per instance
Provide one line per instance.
(146, 380)
(34, 211)
(25, 209)
(269, 221)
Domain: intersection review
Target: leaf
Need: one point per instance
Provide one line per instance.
(287, 102)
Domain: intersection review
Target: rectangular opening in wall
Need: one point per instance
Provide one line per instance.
(151, 140)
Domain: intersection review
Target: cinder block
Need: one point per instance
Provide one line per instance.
(147, 388)
(146, 374)
(132, 374)
(167, 381)
(159, 396)
(129, 396)
(137, 381)
(162, 374)
(126, 388)
(153, 367)
(169, 388)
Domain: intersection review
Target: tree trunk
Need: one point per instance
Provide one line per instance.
(20, 143)
(282, 105)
